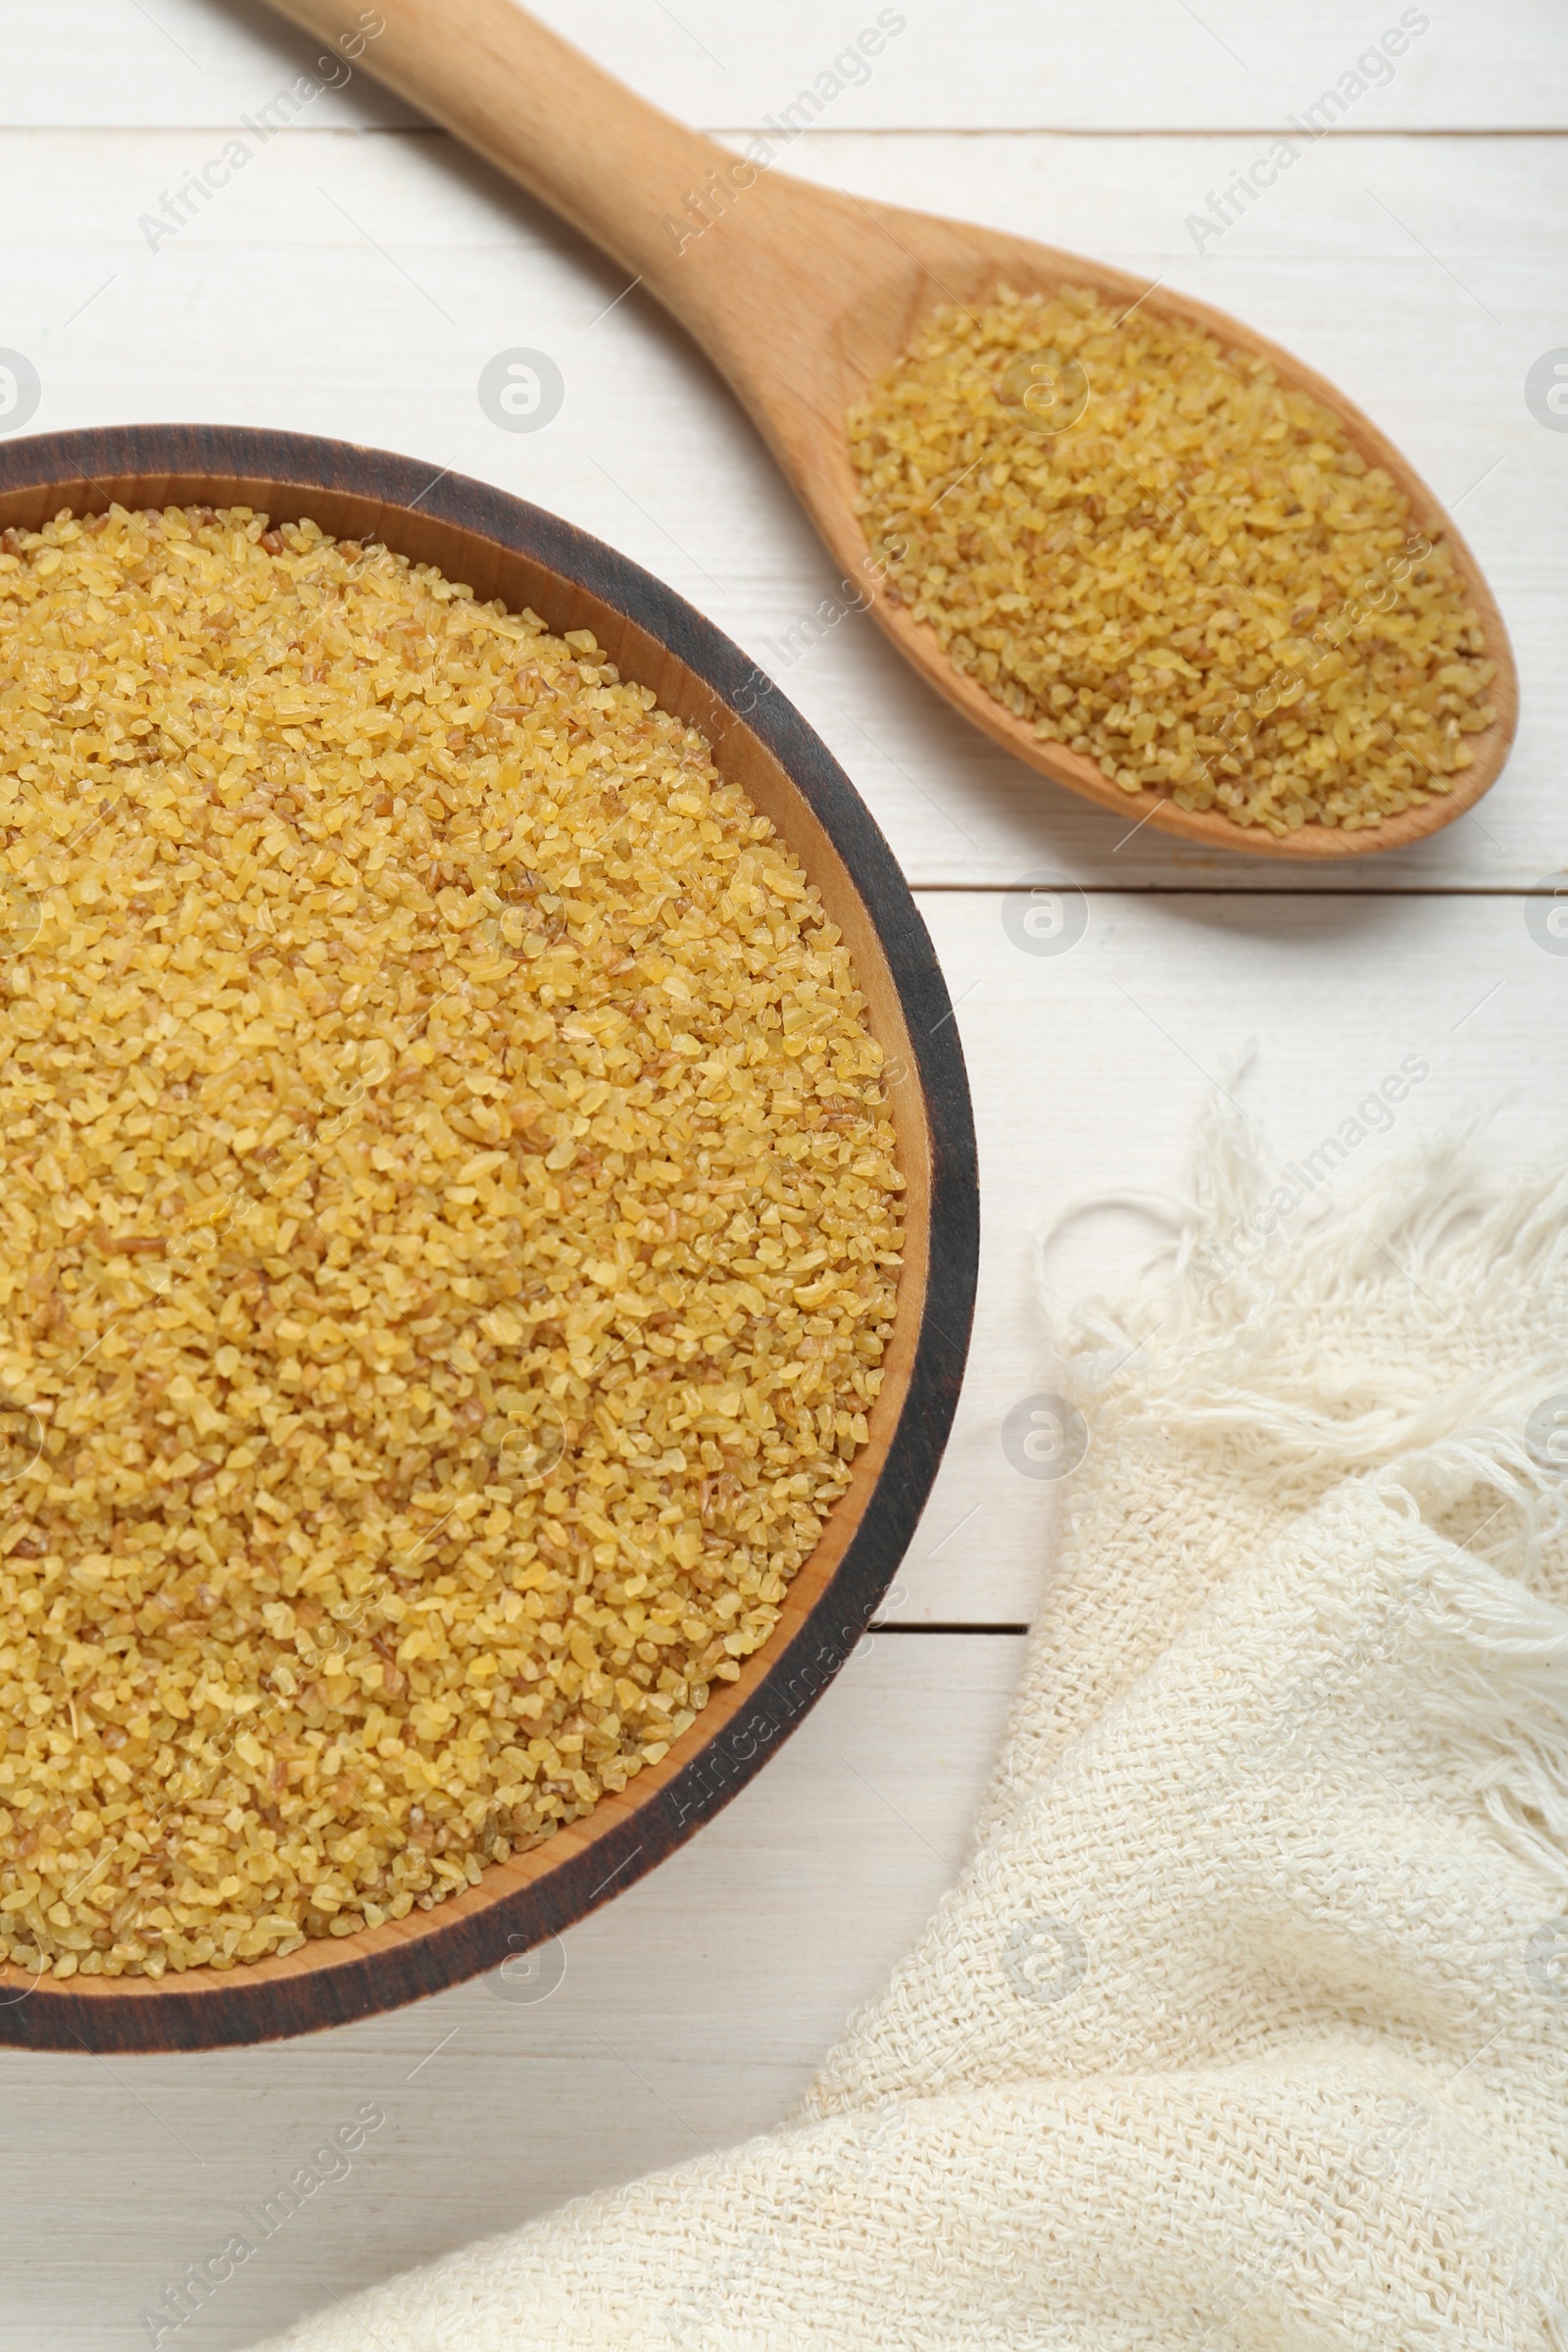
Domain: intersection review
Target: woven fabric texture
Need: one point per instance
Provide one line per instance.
(1246, 2029)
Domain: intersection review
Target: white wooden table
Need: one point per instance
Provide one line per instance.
(352, 280)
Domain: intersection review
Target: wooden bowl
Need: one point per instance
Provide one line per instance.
(503, 548)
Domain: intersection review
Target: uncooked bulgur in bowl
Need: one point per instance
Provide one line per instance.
(477, 1116)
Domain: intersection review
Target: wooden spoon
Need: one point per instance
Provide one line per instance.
(803, 297)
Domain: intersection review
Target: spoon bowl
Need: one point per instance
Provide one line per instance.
(946, 263)
(802, 297)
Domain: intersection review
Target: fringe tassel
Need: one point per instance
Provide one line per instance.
(1238, 1337)
(1233, 1336)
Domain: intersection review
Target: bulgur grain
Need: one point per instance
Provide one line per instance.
(1196, 582)
(449, 1232)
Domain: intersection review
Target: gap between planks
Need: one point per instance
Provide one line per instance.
(865, 130)
(879, 1625)
(1232, 890)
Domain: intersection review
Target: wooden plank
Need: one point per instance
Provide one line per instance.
(694, 2007)
(1127, 65)
(804, 300)
(355, 285)
(1091, 1067)
(692, 2011)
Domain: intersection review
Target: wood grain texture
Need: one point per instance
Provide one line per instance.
(1122, 64)
(1092, 1070)
(501, 548)
(804, 299)
(359, 284)
(695, 2006)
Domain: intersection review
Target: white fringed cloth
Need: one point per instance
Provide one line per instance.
(1246, 2029)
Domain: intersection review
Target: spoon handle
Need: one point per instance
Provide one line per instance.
(641, 186)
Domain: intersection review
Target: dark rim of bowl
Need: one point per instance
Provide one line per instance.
(233, 2006)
